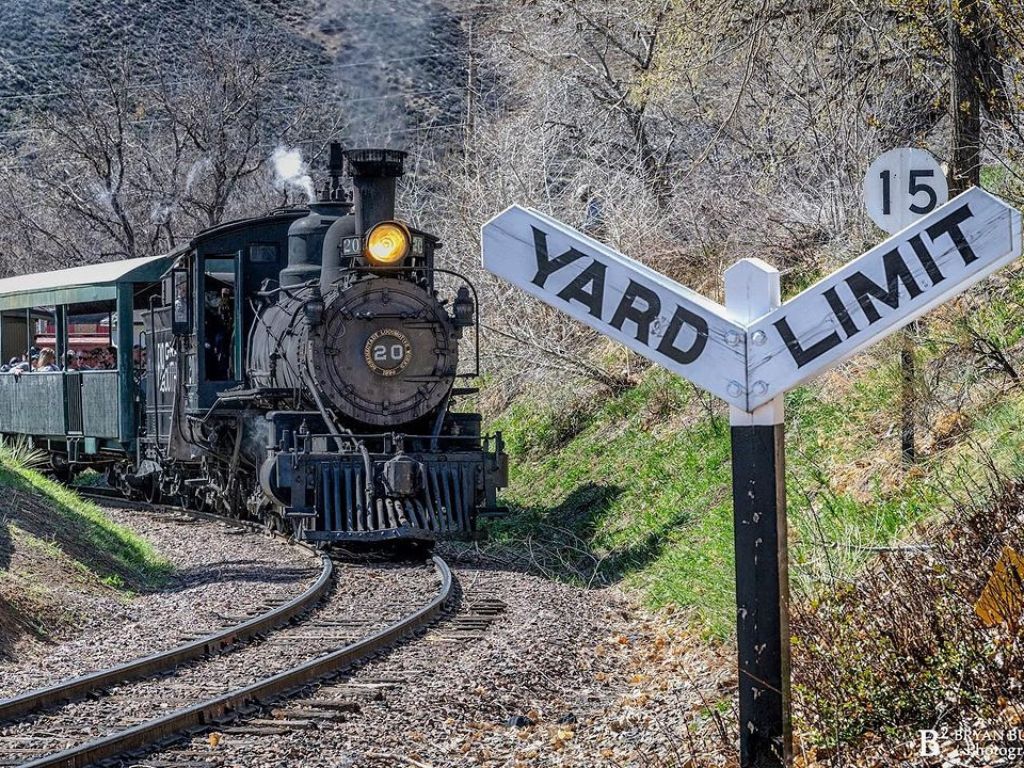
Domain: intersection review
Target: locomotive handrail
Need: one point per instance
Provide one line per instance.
(368, 435)
(488, 442)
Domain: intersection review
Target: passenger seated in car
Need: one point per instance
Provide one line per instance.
(23, 365)
(98, 359)
(47, 361)
(103, 358)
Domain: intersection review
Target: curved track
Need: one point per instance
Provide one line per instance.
(138, 669)
(204, 710)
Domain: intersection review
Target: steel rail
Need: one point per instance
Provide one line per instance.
(206, 715)
(163, 661)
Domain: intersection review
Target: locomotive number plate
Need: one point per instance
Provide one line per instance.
(387, 352)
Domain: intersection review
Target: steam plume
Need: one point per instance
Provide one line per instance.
(291, 172)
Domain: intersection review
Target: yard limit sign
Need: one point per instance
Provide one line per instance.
(749, 353)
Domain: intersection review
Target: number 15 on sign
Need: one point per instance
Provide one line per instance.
(903, 185)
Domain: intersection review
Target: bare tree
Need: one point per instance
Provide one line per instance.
(134, 160)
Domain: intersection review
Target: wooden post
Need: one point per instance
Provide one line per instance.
(752, 290)
(908, 397)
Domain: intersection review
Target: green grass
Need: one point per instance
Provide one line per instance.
(637, 495)
(127, 548)
(636, 488)
(81, 529)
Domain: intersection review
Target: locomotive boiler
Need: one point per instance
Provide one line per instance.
(367, 327)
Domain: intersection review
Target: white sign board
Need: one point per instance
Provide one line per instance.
(748, 365)
(649, 313)
(903, 185)
(884, 289)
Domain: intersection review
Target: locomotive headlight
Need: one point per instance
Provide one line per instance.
(387, 244)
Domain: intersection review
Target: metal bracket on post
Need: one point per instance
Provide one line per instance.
(752, 290)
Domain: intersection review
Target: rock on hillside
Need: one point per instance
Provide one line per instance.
(396, 63)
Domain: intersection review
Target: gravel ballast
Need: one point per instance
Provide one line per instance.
(558, 676)
(363, 599)
(219, 571)
(523, 671)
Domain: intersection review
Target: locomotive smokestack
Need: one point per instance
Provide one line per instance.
(373, 173)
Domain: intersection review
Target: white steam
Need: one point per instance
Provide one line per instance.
(291, 172)
(195, 173)
(161, 212)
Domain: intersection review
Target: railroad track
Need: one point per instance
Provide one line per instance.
(136, 707)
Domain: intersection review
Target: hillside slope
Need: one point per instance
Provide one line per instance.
(637, 486)
(61, 560)
(395, 64)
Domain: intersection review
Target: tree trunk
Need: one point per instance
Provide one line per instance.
(965, 30)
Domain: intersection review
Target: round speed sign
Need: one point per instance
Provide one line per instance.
(903, 185)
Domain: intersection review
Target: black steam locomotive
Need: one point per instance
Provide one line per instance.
(300, 368)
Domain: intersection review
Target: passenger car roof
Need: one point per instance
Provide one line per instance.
(94, 282)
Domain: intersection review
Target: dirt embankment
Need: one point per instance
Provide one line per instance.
(58, 566)
(82, 587)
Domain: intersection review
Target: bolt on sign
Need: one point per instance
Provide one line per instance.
(749, 353)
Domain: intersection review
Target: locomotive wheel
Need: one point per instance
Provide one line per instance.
(151, 489)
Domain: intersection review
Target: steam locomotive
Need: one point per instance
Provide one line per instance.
(302, 368)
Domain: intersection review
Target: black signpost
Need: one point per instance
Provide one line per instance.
(762, 594)
(752, 290)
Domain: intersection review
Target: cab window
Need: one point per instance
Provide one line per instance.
(219, 318)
